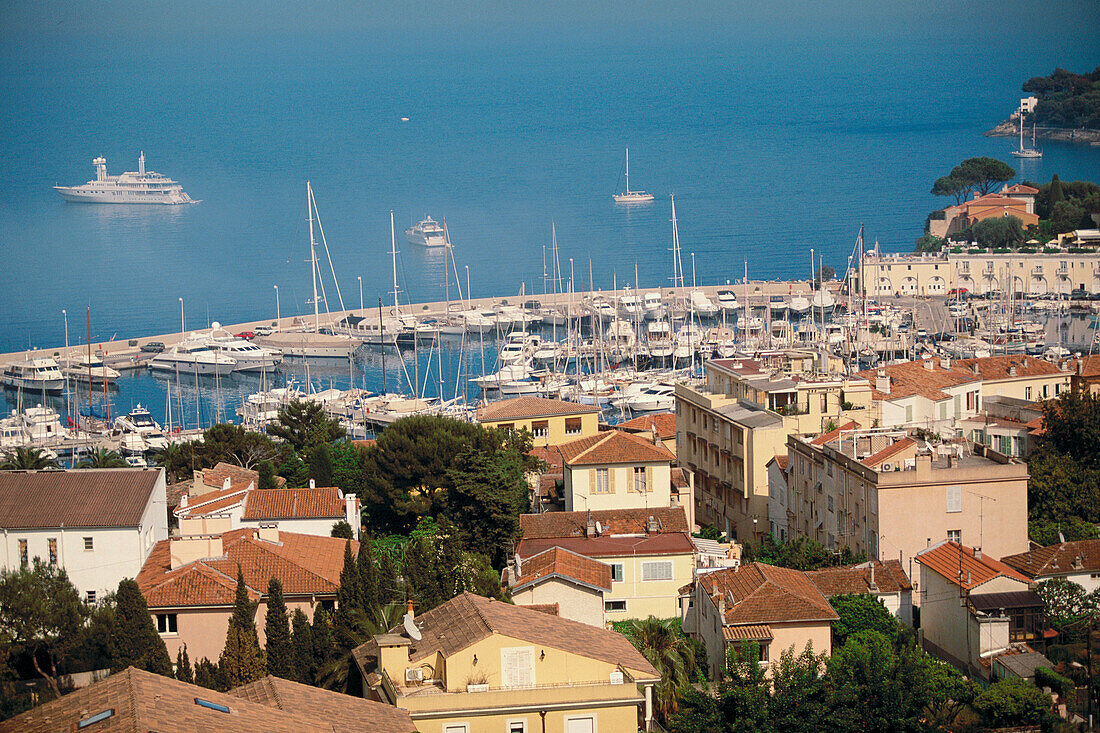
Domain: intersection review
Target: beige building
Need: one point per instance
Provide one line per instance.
(775, 609)
(885, 581)
(889, 494)
(475, 665)
(616, 470)
(1017, 272)
(550, 422)
(650, 553)
(190, 581)
(974, 607)
(932, 394)
(574, 585)
(661, 424)
(728, 430)
(1019, 376)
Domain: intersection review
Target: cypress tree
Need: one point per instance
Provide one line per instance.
(241, 661)
(1055, 194)
(266, 471)
(302, 648)
(368, 575)
(137, 642)
(184, 672)
(324, 646)
(348, 603)
(388, 590)
(206, 674)
(277, 631)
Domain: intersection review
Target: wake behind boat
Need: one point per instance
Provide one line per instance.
(138, 187)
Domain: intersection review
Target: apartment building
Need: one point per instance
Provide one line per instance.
(1019, 376)
(550, 422)
(891, 494)
(931, 394)
(729, 429)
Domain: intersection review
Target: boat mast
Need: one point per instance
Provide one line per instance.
(393, 254)
(313, 257)
(628, 170)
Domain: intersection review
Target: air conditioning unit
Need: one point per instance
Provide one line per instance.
(414, 674)
(616, 677)
(887, 467)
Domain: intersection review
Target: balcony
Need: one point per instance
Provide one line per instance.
(1037, 270)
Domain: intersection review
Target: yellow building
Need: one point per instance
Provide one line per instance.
(889, 494)
(1019, 376)
(550, 422)
(475, 665)
(616, 470)
(649, 550)
(773, 608)
(730, 429)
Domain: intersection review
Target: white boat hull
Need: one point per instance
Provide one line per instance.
(76, 196)
(34, 385)
(192, 367)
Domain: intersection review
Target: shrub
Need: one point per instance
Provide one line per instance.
(975, 250)
(956, 250)
(1028, 250)
(1047, 677)
(1050, 250)
(1001, 251)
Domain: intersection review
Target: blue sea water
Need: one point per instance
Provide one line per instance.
(777, 133)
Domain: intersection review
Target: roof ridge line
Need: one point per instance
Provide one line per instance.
(599, 441)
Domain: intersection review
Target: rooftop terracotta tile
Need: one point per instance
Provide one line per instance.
(528, 407)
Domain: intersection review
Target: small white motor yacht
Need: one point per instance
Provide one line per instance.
(40, 374)
(727, 301)
(89, 369)
(427, 233)
(702, 305)
(660, 396)
(139, 431)
(193, 357)
(249, 356)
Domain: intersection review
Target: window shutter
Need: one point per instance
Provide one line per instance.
(518, 666)
(649, 479)
(592, 481)
(611, 480)
(954, 499)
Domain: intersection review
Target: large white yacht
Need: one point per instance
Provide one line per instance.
(83, 368)
(193, 357)
(33, 375)
(139, 432)
(427, 233)
(249, 356)
(133, 187)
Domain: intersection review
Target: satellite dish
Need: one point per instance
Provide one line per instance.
(599, 528)
(410, 628)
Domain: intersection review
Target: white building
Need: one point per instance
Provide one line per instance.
(304, 511)
(1077, 562)
(99, 525)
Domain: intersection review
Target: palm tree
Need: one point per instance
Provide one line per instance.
(175, 460)
(104, 458)
(333, 675)
(27, 459)
(668, 650)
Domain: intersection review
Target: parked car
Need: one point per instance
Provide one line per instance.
(245, 335)
(263, 330)
(1079, 294)
(958, 292)
(152, 347)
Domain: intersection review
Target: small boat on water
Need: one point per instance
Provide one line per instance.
(427, 233)
(139, 432)
(91, 369)
(40, 374)
(628, 196)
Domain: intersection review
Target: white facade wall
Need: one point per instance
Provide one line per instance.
(777, 502)
(320, 527)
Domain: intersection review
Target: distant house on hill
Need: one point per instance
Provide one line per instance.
(962, 216)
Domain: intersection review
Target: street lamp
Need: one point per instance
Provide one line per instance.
(183, 327)
(278, 315)
(469, 295)
(360, 279)
(65, 315)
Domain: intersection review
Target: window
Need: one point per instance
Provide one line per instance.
(1045, 393)
(89, 596)
(572, 426)
(908, 413)
(614, 606)
(95, 719)
(954, 499)
(517, 666)
(89, 544)
(456, 728)
(971, 400)
(52, 544)
(641, 485)
(958, 401)
(166, 623)
(943, 410)
(540, 428)
(23, 552)
(955, 535)
(829, 501)
(616, 572)
(603, 485)
(509, 426)
(657, 570)
(211, 705)
(516, 726)
(580, 725)
(1027, 393)
(1005, 444)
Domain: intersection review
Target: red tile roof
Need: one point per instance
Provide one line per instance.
(925, 377)
(893, 449)
(961, 565)
(833, 434)
(558, 562)
(749, 632)
(342, 712)
(467, 619)
(764, 594)
(614, 446)
(995, 368)
(321, 503)
(305, 564)
(527, 407)
(889, 577)
(88, 497)
(143, 701)
(213, 502)
(608, 546)
(665, 422)
(1087, 366)
(1065, 558)
(239, 478)
(613, 521)
(1019, 188)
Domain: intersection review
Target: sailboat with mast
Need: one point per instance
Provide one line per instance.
(628, 196)
(1023, 152)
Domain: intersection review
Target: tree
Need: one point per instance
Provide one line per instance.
(349, 598)
(799, 700)
(996, 231)
(436, 568)
(41, 614)
(698, 711)
(949, 692)
(241, 661)
(1012, 702)
(802, 553)
(266, 471)
(667, 649)
(1068, 607)
(368, 575)
(103, 458)
(951, 186)
(324, 646)
(230, 443)
(184, 673)
(1065, 464)
(861, 613)
(982, 174)
(1055, 194)
(304, 425)
(488, 494)
(27, 459)
(137, 643)
(875, 687)
(1045, 532)
(342, 530)
(302, 648)
(1067, 216)
(278, 652)
(823, 273)
(207, 674)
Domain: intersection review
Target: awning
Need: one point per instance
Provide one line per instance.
(986, 602)
(757, 632)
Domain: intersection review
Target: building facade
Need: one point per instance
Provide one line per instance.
(550, 422)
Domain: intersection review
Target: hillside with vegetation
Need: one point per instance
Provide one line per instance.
(1066, 99)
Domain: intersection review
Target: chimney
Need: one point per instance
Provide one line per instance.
(183, 502)
(945, 362)
(1012, 371)
(351, 513)
(653, 429)
(226, 484)
(312, 484)
(978, 553)
(873, 585)
(651, 526)
(1025, 362)
(929, 365)
(188, 549)
(590, 528)
(882, 382)
(974, 368)
(268, 533)
(409, 609)
(1080, 367)
(969, 578)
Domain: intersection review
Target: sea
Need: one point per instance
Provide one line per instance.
(778, 132)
